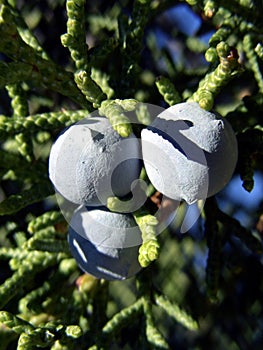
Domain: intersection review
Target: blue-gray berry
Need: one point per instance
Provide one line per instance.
(189, 153)
(90, 162)
(105, 244)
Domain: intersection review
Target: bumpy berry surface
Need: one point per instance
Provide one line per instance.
(189, 153)
(105, 244)
(90, 162)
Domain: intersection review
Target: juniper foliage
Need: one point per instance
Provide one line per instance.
(60, 60)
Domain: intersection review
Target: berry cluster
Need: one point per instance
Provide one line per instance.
(188, 154)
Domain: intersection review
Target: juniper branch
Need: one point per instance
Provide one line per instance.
(154, 337)
(213, 82)
(46, 72)
(20, 109)
(132, 43)
(115, 110)
(16, 72)
(177, 313)
(90, 89)
(168, 91)
(38, 337)
(19, 100)
(35, 262)
(44, 121)
(15, 323)
(149, 250)
(49, 218)
(10, 161)
(102, 80)
(16, 202)
(26, 34)
(48, 245)
(75, 39)
(33, 301)
(252, 57)
(122, 318)
(250, 144)
(259, 50)
(7, 253)
(47, 240)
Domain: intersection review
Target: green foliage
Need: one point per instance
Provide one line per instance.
(149, 249)
(213, 82)
(60, 60)
(115, 110)
(168, 91)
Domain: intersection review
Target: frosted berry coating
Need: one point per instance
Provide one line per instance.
(189, 153)
(90, 162)
(102, 243)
